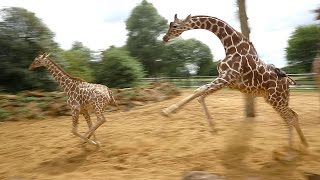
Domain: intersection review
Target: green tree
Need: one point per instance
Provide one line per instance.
(144, 27)
(118, 69)
(302, 48)
(78, 61)
(182, 56)
(22, 35)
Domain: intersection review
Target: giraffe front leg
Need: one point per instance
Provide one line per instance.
(174, 108)
(208, 116)
(216, 85)
(206, 111)
(75, 119)
(197, 93)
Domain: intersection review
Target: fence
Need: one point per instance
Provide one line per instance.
(304, 81)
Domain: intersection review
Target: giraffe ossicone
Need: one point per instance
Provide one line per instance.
(241, 69)
(83, 97)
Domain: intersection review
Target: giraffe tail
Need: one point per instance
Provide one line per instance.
(114, 101)
(292, 81)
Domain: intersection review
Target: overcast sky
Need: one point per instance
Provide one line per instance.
(99, 24)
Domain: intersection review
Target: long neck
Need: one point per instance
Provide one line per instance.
(67, 82)
(228, 36)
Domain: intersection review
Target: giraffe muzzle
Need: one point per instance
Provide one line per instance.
(165, 38)
(30, 68)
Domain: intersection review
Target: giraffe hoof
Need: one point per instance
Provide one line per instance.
(98, 144)
(93, 142)
(305, 143)
(164, 113)
(284, 157)
(214, 130)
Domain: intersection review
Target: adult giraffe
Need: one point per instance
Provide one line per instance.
(241, 69)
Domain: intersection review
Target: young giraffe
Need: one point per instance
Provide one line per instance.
(241, 69)
(83, 97)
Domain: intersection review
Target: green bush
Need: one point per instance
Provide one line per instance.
(26, 99)
(4, 114)
(118, 69)
(44, 105)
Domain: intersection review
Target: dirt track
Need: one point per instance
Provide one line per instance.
(140, 144)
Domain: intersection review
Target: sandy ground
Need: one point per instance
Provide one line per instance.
(140, 144)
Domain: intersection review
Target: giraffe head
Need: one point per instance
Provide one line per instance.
(177, 27)
(39, 61)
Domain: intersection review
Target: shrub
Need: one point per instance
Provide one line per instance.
(4, 114)
(118, 69)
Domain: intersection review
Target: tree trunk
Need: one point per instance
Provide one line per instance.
(249, 100)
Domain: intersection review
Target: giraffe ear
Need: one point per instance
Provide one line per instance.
(187, 18)
(42, 55)
(175, 17)
(39, 53)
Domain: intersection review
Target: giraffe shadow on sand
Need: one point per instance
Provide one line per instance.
(238, 153)
(237, 148)
(68, 162)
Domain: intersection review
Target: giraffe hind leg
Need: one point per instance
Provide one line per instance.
(89, 123)
(100, 121)
(295, 123)
(291, 119)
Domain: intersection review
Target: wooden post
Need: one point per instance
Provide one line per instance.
(249, 100)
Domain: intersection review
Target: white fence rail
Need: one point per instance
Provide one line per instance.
(304, 81)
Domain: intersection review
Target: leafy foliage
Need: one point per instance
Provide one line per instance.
(78, 62)
(181, 57)
(144, 27)
(302, 48)
(4, 114)
(119, 69)
(22, 35)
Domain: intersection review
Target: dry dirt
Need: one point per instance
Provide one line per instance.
(140, 144)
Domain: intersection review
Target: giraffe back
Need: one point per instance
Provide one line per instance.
(91, 97)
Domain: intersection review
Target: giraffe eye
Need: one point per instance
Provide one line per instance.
(174, 26)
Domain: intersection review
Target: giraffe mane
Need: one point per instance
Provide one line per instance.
(62, 70)
(205, 16)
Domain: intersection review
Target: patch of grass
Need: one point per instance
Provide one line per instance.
(47, 98)
(26, 99)
(65, 98)
(130, 93)
(43, 105)
(22, 110)
(35, 116)
(4, 114)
